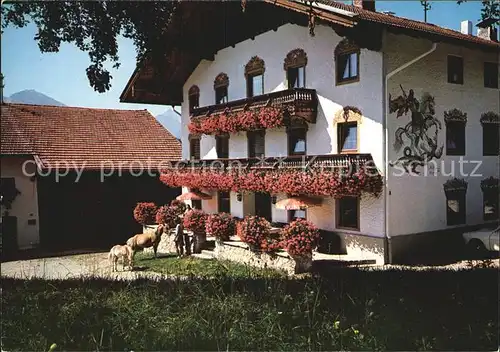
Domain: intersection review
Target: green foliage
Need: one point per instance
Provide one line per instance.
(94, 27)
(168, 215)
(202, 267)
(352, 310)
(490, 9)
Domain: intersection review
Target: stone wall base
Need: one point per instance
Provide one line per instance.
(353, 246)
(237, 253)
(365, 248)
(426, 247)
(166, 245)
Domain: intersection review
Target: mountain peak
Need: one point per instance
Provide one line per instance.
(31, 96)
(171, 120)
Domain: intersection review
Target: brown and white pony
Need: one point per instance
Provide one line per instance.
(125, 253)
(146, 240)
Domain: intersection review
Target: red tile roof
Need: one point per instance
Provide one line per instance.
(404, 23)
(85, 137)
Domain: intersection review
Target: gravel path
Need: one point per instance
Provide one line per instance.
(72, 266)
(97, 265)
(459, 265)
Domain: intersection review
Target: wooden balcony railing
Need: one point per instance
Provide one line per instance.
(300, 102)
(325, 162)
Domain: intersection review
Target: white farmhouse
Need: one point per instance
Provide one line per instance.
(334, 87)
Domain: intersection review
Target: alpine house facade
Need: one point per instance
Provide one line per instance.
(361, 114)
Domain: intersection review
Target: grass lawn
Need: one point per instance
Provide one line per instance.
(189, 266)
(351, 310)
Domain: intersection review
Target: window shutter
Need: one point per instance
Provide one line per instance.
(197, 149)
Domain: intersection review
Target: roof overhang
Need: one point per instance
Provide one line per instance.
(199, 29)
(205, 31)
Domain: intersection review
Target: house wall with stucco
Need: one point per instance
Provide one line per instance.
(272, 47)
(417, 202)
(25, 205)
(422, 195)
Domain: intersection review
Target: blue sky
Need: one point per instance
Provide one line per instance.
(62, 75)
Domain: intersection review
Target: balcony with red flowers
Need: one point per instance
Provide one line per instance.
(276, 109)
(333, 175)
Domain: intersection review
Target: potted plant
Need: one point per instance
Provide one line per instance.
(145, 213)
(253, 230)
(221, 226)
(168, 215)
(195, 221)
(300, 237)
(180, 205)
(271, 244)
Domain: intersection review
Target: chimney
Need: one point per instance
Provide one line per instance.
(365, 4)
(466, 27)
(486, 29)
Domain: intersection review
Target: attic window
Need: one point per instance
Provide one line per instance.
(295, 67)
(346, 62)
(254, 74)
(221, 84)
(194, 98)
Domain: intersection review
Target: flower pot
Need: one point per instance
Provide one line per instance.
(200, 239)
(303, 262)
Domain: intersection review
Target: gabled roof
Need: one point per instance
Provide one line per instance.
(86, 138)
(200, 29)
(412, 25)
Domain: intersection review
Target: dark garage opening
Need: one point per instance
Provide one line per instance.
(90, 214)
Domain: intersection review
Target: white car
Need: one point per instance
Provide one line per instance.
(483, 240)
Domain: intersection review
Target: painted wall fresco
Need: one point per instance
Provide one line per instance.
(418, 139)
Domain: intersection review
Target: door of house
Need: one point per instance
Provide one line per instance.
(9, 234)
(263, 205)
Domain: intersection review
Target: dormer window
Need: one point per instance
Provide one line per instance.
(193, 98)
(221, 84)
(346, 62)
(254, 73)
(295, 68)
